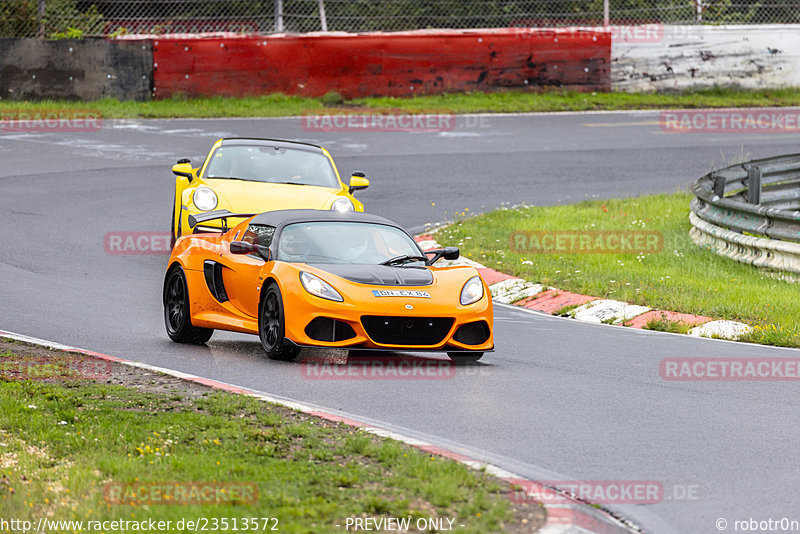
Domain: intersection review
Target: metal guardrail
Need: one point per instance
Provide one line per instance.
(750, 212)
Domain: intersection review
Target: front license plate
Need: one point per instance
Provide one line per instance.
(400, 293)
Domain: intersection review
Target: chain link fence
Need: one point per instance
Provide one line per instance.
(56, 19)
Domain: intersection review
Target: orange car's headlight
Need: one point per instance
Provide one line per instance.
(472, 291)
(319, 287)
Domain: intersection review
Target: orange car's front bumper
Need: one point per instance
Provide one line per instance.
(396, 323)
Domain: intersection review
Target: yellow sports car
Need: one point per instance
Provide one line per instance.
(258, 175)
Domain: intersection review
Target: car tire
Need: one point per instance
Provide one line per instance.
(465, 357)
(177, 317)
(272, 326)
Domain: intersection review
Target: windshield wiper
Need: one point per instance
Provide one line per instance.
(398, 260)
(232, 178)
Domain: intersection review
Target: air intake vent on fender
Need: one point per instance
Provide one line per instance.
(213, 273)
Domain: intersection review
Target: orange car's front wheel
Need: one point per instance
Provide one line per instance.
(176, 311)
(272, 326)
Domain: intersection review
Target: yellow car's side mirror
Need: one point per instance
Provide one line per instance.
(358, 181)
(183, 169)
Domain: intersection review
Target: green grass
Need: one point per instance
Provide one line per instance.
(62, 442)
(278, 105)
(665, 325)
(681, 277)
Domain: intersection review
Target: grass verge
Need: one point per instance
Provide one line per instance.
(680, 277)
(64, 440)
(278, 105)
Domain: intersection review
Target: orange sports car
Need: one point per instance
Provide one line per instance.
(314, 278)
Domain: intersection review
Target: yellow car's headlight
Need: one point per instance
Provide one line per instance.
(205, 198)
(343, 204)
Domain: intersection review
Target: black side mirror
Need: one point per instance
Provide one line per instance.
(451, 253)
(448, 253)
(243, 247)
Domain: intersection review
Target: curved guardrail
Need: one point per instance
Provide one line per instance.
(750, 213)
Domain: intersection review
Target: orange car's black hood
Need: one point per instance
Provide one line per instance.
(380, 275)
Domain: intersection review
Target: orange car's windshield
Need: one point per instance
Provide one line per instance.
(346, 242)
(270, 164)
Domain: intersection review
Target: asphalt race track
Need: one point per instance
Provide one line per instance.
(558, 400)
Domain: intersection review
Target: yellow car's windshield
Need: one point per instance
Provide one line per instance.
(276, 165)
(347, 242)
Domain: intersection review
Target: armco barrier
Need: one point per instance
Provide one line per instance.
(763, 201)
(86, 69)
(385, 64)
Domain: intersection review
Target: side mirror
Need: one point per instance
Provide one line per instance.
(183, 168)
(358, 181)
(451, 253)
(243, 247)
(448, 253)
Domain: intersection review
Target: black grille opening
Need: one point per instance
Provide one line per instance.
(327, 329)
(473, 333)
(407, 330)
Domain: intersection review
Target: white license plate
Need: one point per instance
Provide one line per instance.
(400, 293)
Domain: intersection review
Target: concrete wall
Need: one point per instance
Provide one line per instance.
(680, 57)
(85, 69)
(383, 64)
(627, 58)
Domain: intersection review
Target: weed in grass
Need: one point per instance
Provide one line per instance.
(566, 311)
(662, 324)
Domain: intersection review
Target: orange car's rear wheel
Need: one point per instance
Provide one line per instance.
(176, 311)
(272, 327)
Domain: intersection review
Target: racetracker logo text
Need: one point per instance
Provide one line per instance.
(652, 32)
(731, 121)
(77, 367)
(131, 243)
(50, 120)
(379, 368)
(180, 493)
(595, 491)
(730, 369)
(401, 122)
(585, 242)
